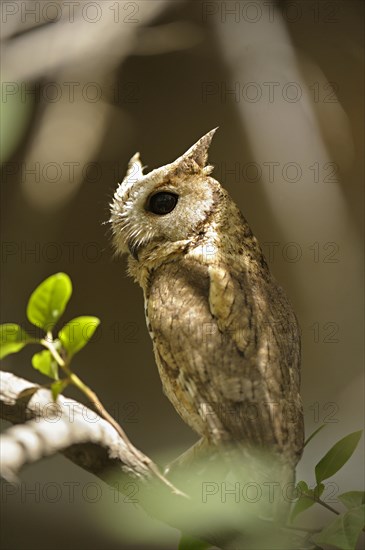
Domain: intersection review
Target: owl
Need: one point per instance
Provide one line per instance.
(225, 338)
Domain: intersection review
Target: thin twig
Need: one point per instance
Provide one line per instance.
(94, 399)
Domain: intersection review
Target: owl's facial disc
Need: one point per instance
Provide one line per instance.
(166, 211)
(167, 205)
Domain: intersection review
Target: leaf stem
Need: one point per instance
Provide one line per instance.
(49, 345)
(314, 434)
(321, 502)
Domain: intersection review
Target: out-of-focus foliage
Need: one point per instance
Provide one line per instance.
(16, 109)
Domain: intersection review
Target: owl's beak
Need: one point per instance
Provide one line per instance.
(133, 249)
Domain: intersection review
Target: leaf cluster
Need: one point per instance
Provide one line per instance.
(45, 307)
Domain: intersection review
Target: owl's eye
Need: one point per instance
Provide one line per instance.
(162, 203)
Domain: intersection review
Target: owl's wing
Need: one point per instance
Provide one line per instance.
(223, 357)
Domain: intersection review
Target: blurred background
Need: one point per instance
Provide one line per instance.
(87, 84)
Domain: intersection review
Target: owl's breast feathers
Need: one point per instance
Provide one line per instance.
(227, 346)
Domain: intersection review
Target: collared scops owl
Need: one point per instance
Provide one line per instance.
(225, 338)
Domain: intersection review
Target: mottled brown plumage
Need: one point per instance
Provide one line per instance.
(225, 338)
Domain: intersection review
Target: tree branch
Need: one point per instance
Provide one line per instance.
(43, 428)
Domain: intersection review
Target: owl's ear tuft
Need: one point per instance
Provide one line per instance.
(199, 151)
(135, 169)
(134, 174)
(195, 158)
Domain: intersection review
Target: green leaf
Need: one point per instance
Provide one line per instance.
(76, 334)
(314, 434)
(189, 543)
(352, 499)
(57, 388)
(306, 498)
(46, 364)
(337, 456)
(48, 302)
(12, 339)
(344, 531)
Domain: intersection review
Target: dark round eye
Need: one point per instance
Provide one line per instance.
(162, 203)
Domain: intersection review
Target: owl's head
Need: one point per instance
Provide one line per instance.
(168, 204)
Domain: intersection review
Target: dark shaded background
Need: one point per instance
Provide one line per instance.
(163, 114)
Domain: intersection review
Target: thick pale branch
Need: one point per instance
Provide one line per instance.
(66, 426)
